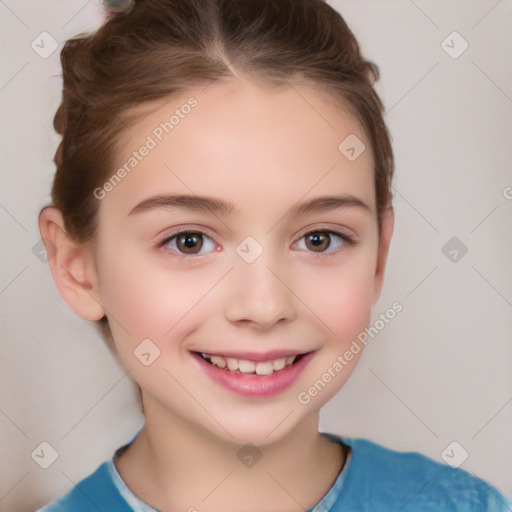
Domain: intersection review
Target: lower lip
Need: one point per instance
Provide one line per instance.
(256, 386)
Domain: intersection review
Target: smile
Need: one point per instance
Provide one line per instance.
(249, 367)
(253, 375)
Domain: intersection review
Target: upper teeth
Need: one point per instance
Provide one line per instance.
(246, 366)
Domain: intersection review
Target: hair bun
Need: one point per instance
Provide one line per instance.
(117, 7)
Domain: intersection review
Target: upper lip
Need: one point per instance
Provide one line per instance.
(255, 356)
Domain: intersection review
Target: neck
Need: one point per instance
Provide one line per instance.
(176, 465)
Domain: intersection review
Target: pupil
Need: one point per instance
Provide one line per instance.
(319, 240)
(189, 241)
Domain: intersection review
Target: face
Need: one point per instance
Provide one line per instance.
(256, 268)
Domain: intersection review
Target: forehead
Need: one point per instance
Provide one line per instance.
(240, 140)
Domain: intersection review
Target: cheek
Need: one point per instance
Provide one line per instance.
(342, 300)
(152, 301)
(345, 310)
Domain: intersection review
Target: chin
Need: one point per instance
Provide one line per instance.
(261, 428)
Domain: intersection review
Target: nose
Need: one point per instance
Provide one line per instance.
(260, 294)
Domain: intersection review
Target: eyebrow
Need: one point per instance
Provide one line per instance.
(204, 203)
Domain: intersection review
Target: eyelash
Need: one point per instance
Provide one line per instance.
(346, 240)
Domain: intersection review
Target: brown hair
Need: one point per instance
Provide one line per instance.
(162, 48)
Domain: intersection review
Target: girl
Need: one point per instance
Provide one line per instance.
(222, 208)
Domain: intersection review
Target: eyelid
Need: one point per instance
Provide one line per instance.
(183, 230)
(344, 232)
(348, 239)
(177, 230)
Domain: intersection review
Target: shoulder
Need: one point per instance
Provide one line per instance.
(385, 479)
(93, 493)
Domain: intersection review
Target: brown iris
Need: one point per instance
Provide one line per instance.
(320, 240)
(189, 243)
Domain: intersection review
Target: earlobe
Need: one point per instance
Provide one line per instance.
(72, 266)
(387, 225)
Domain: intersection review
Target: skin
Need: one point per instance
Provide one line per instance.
(263, 150)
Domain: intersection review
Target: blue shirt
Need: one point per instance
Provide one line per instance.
(374, 479)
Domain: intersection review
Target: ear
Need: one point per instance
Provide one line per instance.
(72, 266)
(386, 232)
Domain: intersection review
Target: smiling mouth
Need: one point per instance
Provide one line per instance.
(248, 367)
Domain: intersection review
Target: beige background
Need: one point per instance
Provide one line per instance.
(439, 372)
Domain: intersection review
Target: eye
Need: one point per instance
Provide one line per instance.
(189, 243)
(324, 241)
